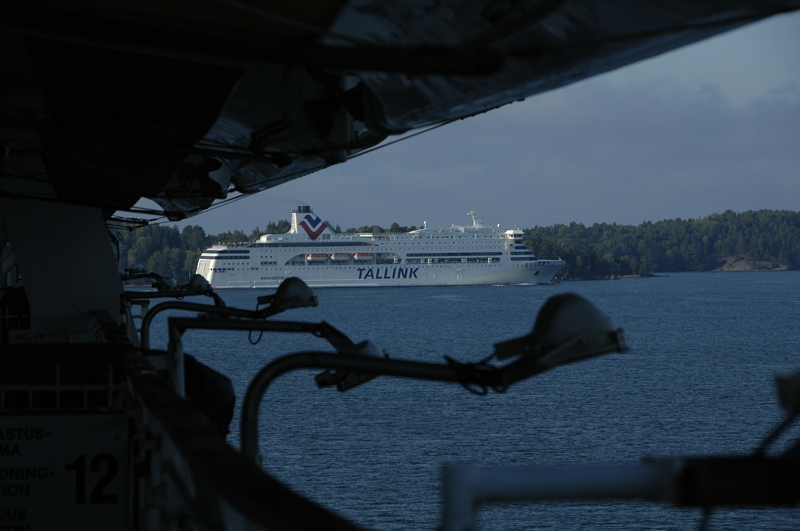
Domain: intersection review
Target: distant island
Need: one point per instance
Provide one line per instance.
(753, 240)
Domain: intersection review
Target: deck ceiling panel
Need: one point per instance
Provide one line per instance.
(133, 99)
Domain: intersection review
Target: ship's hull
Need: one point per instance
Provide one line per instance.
(389, 275)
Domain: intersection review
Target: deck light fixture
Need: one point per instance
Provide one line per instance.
(292, 293)
(568, 329)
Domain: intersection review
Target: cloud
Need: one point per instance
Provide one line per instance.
(591, 152)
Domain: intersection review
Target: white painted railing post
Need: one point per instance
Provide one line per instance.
(465, 487)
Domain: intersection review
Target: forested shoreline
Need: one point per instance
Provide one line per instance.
(761, 240)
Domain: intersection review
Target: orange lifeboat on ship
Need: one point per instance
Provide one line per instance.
(338, 257)
(362, 256)
(317, 257)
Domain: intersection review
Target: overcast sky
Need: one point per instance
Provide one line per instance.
(707, 128)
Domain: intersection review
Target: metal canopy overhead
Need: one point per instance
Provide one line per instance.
(187, 102)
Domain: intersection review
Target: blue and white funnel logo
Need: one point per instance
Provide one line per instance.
(313, 226)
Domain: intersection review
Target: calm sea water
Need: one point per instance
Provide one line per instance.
(698, 380)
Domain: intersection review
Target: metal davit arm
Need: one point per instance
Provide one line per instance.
(292, 293)
(191, 307)
(367, 367)
(571, 330)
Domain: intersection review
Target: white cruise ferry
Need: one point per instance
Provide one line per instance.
(311, 251)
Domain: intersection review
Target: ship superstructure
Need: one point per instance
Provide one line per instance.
(459, 255)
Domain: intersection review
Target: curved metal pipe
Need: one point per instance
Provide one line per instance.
(327, 360)
(175, 350)
(191, 306)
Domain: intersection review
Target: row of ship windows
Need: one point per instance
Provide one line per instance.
(240, 256)
(229, 253)
(415, 255)
(316, 267)
(408, 262)
(347, 243)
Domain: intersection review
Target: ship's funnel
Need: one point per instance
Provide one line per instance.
(304, 221)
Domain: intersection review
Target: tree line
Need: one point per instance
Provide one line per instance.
(767, 238)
